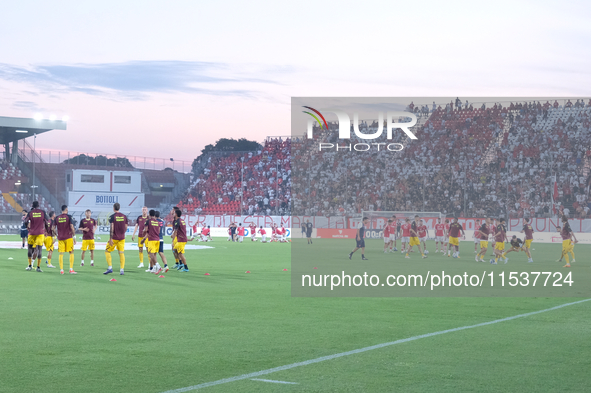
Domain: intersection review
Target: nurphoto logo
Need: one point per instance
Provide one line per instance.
(392, 122)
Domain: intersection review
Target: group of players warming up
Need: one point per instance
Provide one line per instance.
(43, 229)
(447, 237)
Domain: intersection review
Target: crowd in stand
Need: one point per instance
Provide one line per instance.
(9, 176)
(468, 160)
(256, 182)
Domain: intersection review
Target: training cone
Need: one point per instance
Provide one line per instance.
(10, 258)
(248, 271)
(284, 270)
(206, 274)
(112, 279)
(161, 276)
(315, 268)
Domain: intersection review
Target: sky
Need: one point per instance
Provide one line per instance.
(164, 79)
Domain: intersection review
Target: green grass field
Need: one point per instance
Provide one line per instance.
(149, 334)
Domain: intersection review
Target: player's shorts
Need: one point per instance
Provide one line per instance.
(65, 245)
(476, 240)
(240, 238)
(515, 248)
(440, 239)
(117, 244)
(174, 242)
(423, 239)
(179, 247)
(414, 241)
(308, 235)
(24, 233)
(161, 247)
(153, 246)
(36, 240)
(484, 244)
(264, 238)
(454, 241)
(360, 243)
(528, 243)
(392, 237)
(386, 239)
(140, 241)
(48, 243)
(567, 245)
(88, 245)
(405, 239)
(500, 246)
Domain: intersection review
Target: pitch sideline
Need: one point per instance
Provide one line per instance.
(361, 350)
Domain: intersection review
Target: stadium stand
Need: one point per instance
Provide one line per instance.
(265, 176)
(485, 160)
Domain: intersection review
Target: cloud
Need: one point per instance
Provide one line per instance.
(137, 79)
(29, 105)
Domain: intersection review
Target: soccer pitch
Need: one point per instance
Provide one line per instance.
(148, 334)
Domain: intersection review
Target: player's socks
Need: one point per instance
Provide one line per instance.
(61, 262)
(122, 260)
(141, 257)
(30, 261)
(71, 261)
(92, 262)
(109, 259)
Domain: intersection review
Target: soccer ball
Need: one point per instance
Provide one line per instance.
(426, 252)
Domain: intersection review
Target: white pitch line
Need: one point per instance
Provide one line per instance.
(273, 381)
(361, 350)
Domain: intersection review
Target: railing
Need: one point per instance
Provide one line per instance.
(97, 159)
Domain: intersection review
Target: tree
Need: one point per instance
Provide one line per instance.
(227, 145)
(83, 159)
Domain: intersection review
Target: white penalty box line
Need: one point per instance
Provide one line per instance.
(361, 350)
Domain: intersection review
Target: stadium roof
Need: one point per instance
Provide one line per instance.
(16, 128)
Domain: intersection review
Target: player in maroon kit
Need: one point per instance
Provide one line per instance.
(88, 227)
(500, 239)
(482, 234)
(475, 235)
(493, 231)
(66, 237)
(118, 222)
(454, 233)
(529, 237)
(35, 222)
(139, 228)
